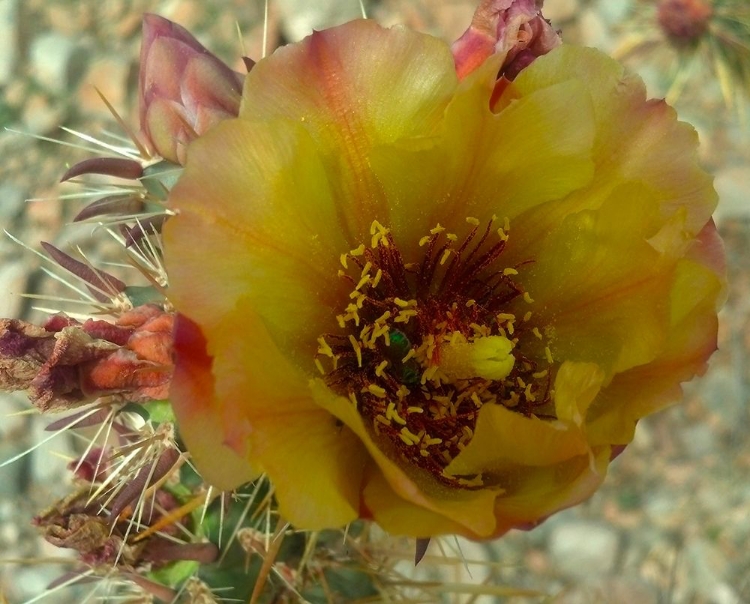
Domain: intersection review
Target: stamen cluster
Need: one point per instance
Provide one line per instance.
(424, 345)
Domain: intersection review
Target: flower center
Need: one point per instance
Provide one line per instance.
(424, 345)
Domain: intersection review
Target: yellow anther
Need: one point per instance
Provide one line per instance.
(324, 348)
(382, 330)
(476, 400)
(424, 452)
(520, 382)
(409, 355)
(384, 317)
(392, 414)
(378, 232)
(363, 281)
(527, 393)
(383, 420)
(319, 365)
(414, 438)
(451, 237)
(379, 369)
(437, 229)
(428, 442)
(527, 316)
(502, 234)
(342, 258)
(509, 271)
(366, 268)
(540, 374)
(457, 337)
(527, 297)
(506, 224)
(445, 256)
(404, 316)
(376, 390)
(357, 349)
(537, 333)
(470, 303)
(425, 240)
(505, 316)
(404, 303)
(428, 374)
(548, 354)
(352, 314)
(415, 409)
(473, 221)
(377, 278)
(405, 439)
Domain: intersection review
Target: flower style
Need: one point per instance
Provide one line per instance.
(439, 304)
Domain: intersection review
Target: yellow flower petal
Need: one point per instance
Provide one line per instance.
(357, 148)
(600, 285)
(504, 438)
(198, 412)
(355, 87)
(551, 489)
(576, 387)
(248, 225)
(520, 158)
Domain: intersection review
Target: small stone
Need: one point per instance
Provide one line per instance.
(583, 549)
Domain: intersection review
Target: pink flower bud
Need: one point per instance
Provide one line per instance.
(513, 28)
(184, 89)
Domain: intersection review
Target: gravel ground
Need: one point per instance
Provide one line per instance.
(672, 522)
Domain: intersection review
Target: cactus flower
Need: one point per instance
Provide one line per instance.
(184, 90)
(410, 295)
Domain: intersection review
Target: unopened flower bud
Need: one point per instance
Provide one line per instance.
(183, 88)
(514, 29)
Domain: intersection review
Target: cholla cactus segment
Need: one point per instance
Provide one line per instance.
(184, 90)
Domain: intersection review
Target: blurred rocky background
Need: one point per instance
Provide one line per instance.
(671, 524)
